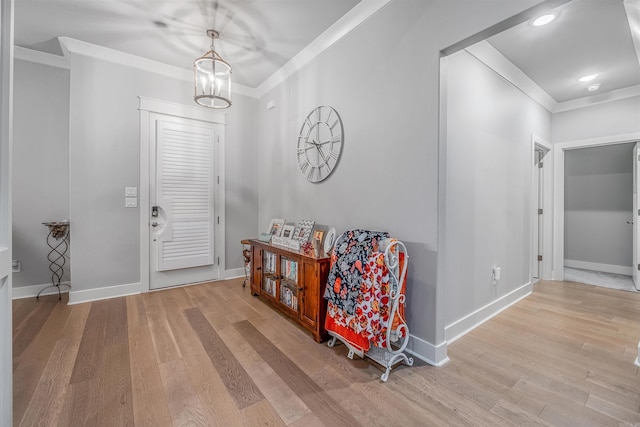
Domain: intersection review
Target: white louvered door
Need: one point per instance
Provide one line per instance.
(183, 185)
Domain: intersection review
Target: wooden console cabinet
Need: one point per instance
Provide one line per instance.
(292, 282)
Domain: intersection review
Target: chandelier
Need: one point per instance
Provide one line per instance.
(212, 78)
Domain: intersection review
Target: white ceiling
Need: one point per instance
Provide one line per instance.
(258, 37)
(587, 37)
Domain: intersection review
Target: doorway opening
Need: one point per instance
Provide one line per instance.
(595, 199)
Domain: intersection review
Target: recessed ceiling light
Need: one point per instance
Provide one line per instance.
(543, 20)
(587, 78)
(593, 87)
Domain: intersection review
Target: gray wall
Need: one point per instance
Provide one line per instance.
(488, 184)
(383, 78)
(241, 178)
(104, 158)
(74, 154)
(598, 202)
(600, 120)
(40, 165)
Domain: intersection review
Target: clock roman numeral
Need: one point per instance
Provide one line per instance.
(311, 173)
(329, 116)
(304, 167)
(333, 155)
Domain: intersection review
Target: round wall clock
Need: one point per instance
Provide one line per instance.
(320, 143)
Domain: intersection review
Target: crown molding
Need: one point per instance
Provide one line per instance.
(79, 47)
(488, 55)
(38, 57)
(588, 101)
(356, 16)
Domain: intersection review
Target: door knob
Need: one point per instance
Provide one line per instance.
(154, 224)
(630, 222)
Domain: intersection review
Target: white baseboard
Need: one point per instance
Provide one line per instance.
(435, 355)
(471, 321)
(77, 297)
(595, 266)
(19, 292)
(233, 273)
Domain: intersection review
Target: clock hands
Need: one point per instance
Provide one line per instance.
(321, 153)
(318, 147)
(306, 148)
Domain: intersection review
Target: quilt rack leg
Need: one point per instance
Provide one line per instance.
(394, 360)
(352, 350)
(332, 343)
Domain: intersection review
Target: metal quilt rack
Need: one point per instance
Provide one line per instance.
(396, 338)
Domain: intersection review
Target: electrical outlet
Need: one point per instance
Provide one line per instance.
(131, 202)
(496, 274)
(131, 191)
(16, 266)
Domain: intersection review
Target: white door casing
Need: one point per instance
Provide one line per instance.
(536, 262)
(6, 126)
(182, 174)
(541, 184)
(559, 149)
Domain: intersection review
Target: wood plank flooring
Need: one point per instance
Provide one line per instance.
(212, 355)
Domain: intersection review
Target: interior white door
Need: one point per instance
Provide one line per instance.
(182, 197)
(635, 218)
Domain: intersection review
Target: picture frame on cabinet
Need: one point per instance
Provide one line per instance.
(275, 227)
(318, 234)
(303, 230)
(288, 230)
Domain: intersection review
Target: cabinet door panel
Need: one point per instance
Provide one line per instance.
(256, 269)
(310, 295)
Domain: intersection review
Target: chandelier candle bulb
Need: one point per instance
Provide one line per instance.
(212, 78)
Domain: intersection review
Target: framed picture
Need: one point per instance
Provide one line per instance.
(275, 227)
(318, 234)
(302, 231)
(287, 231)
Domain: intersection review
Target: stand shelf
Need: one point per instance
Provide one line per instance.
(58, 242)
(292, 282)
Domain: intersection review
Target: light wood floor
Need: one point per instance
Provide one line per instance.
(214, 355)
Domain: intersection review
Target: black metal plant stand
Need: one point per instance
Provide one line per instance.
(58, 241)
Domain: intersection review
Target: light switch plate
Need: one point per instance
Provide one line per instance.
(131, 191)
(131, 202)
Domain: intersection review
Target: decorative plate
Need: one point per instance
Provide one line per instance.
(329, 240)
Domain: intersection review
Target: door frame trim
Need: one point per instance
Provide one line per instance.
(540, 144)
(558, 189)
(147, 106)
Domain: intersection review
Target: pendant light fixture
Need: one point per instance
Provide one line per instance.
(212, 78)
